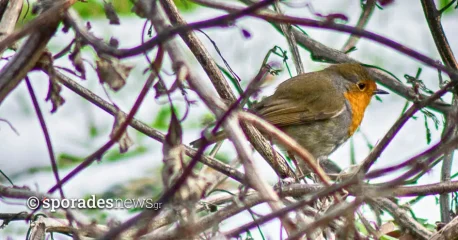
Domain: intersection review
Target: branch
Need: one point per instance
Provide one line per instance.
(289, 143)
(200, 52)
(154, 12)
(403, 218)
(433, 17)
(47, 138)
(381, 145)
(304, 201)
(286, 29)
(113, 138)
(224, 90)
(422, 162)
(319, 50)
(335, 212)
(448, 232)
(144, 128)
(26, 57)
(208, 221)
(9, 19)
(368, 9)
(51, 225)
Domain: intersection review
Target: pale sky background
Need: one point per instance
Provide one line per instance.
(402, 21)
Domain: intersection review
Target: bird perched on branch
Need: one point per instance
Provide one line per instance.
(320, 110)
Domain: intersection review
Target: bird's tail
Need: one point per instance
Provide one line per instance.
(219, 136)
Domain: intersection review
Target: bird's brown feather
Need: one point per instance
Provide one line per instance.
(288, 106)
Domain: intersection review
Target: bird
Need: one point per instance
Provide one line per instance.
(321, 110)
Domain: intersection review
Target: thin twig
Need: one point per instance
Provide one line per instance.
(382, 144)
(44, 128)
(448, 232)
(144, 128)
(319, 50)
(47, 17)
(433, 17)
(403, 218)
(30, 52)
(10, 125)
(224, 90)
(9, 19)
(289, 143)
(286, 29)
(306, 200)
(339, 210)
(114, 138)
(342, 28)
(368, 8)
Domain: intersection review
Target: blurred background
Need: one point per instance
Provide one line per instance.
(78, 128)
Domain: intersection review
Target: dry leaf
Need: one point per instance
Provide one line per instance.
(386, 228)
(77, 60)
(111, 13)
(46, 61)
(114, 42)
(54, 92)
(407, 236)
(385, 3)
(111, 71)
(173, 152)
(124, 141)
(160, 89)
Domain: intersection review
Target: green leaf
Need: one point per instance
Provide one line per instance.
(352, 152)
(123, 7)
(352, 49)
(404, 109)
(114, 155)
(276, 50)
(386, 237)
(366, 139)
(454, 175)
(445, 6)
(233, 80)
(93, 131)
(67, 160)
(162, 119)
(428, 131)
(89, 9)
(185, 5)
(7, 178)
(382, 69)
(95, 8)
(223, 157)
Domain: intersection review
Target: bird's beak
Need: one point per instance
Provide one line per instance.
(380, 91)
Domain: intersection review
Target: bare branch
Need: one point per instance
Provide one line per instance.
(448, 232)
(220, 83)
(289, 143)
(9, 19)
(368, 8)
(286, 29)
(144, 128)
(403, 218)
(321, 51)
(433, 17)
(26, 57)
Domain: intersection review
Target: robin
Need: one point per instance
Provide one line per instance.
(320, 110)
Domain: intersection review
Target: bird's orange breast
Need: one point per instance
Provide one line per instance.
(358, 102)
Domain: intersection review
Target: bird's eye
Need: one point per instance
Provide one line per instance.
(361, 86)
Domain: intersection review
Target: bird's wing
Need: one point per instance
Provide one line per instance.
(301, 99)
